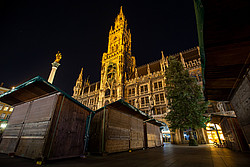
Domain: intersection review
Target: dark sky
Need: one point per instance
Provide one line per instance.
(32, 31)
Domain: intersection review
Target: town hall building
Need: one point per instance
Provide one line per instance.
(143, 87)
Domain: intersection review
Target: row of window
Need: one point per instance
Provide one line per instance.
(193, 63)
(155, 111)
(6, 108)
(2, 116)
(131, 91)
(159, 98)
(91, 101)
(132, 102)
(107, 93)
(144, 88)
(144, 101)
(158, 85)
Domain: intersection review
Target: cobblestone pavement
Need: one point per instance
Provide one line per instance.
(169, 155)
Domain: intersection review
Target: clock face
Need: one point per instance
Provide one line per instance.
(115, 38)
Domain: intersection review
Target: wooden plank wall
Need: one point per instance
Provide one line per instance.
(36, 126)
(29, 133)
(153, 135)
(158, 136)
(12, 132)
(70, 131)
(136, 133)
(124, 132)
(117, 137)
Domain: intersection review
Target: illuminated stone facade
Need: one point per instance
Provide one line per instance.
(143, 86)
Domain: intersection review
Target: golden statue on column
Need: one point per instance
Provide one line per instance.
(55, 65)
(58, 57)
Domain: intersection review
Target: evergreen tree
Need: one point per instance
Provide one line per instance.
(186, 101)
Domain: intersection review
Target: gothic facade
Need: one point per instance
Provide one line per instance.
(143, 86)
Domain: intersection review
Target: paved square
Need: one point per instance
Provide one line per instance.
(169, 155)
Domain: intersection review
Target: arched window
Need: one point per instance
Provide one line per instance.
(106, 103)
(107, 92)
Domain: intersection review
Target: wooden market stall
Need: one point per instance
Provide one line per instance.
(46, 123)
(153, 135)
(117, 127)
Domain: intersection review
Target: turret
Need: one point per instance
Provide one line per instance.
(78, 87)
(162, 55)
(182, 60)
(148, 69)
(162, 61)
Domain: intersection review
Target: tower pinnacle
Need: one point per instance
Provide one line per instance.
(78, 87)
(80, 76)
(121, 10)
(162, 55)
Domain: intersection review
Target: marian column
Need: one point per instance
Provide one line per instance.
(55, 65)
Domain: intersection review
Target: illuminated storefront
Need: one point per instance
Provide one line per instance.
(214, 133)
(165, 134)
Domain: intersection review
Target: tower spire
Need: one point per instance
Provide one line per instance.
(117, 63)
(121, 10)
(120, 17)
(80, 76)
(162, 55)
(78, 87)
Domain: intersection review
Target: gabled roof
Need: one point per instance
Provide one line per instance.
(191, 54)
(142, 70)
(121, 104)
(153, 66)
(33, 89)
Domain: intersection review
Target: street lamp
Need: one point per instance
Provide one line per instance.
(3, 125)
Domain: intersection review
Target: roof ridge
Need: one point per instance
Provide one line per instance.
(184, 51)
(189, 50)
(148, 63)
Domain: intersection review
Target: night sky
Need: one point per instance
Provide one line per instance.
(32, 31)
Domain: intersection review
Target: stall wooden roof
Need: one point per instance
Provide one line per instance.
(33, 89)
(156, 122)
(123, 106)
(226, 42)
(217, 118)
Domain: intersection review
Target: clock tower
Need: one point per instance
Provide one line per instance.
(117, 63)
